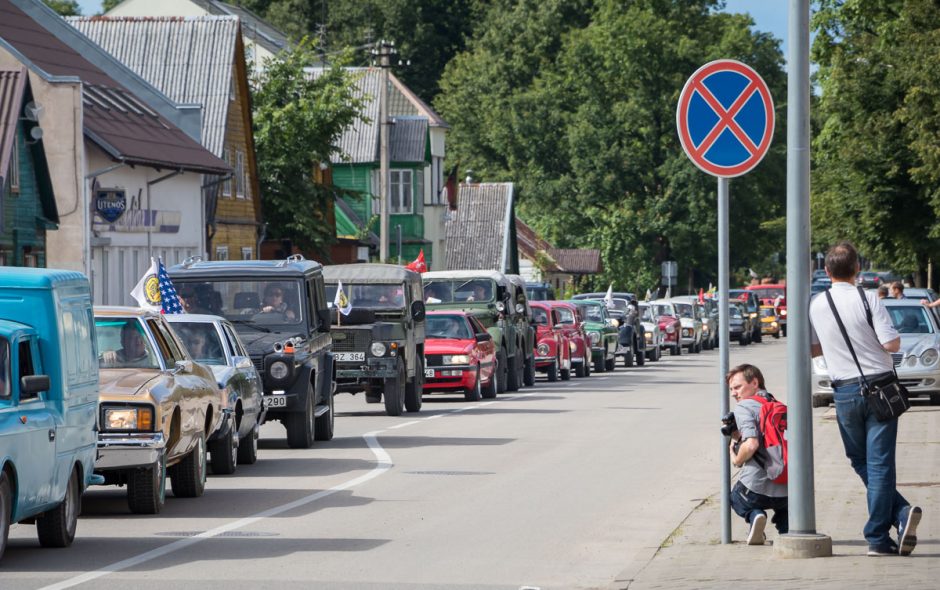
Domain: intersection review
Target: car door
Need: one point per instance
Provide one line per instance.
(246, 380)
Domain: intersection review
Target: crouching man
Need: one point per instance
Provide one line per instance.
(754, 493)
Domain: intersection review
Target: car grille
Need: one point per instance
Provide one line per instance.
(897, 357)
(354, 341)
(433, 360)
(258, 362)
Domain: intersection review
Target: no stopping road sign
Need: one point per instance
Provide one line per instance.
(725, 118)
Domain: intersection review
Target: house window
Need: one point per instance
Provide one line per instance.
(246, 253)
(240, 179)
(30, 260)
(227, 185)
(400, 191)
(15, 166)
(221, 252)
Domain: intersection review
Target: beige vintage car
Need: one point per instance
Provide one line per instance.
(156, 411)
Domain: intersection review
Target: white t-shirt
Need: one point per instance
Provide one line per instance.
(824, 330)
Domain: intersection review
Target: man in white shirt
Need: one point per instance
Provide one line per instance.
(869, 444)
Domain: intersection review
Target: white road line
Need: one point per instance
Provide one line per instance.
(383, 464)
(434, 417)
(403, 425)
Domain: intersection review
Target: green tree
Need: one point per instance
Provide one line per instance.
(298, 119)
(107, 5)
(65, 7)
(876, 158)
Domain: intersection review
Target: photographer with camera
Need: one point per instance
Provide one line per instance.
(754, 493)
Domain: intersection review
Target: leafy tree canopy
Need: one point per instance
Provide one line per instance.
(65, 7)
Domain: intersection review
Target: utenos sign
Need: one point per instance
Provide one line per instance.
(725, 118)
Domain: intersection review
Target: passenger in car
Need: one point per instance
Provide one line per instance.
(133, 351)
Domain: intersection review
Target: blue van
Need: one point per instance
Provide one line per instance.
(48, 401)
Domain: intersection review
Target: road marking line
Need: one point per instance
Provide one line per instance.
(434, 417)
(402, 425)
(383, 464)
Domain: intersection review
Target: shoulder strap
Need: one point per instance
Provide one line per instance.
(868, 317)
(845, 334)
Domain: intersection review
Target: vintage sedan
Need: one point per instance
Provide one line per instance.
(917, 362)
(459, 355)
(601, 332)
(212, 341)
(689, 316)
(668, 318)
(654, 335)
(552, 350)
(157, 409)
(572, 324)
(769, 322)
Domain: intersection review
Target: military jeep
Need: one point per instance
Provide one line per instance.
(495, 300)
(279, 309)
(379, 344)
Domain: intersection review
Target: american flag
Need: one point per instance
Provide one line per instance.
(169, 300)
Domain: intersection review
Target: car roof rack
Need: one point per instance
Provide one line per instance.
(292, 258)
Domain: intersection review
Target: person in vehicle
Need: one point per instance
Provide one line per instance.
(274, 302)
(133, 351)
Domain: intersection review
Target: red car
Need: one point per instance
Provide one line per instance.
(669, 325)
(459, 355)
(572, 325)
(776, 296)
(552, 352)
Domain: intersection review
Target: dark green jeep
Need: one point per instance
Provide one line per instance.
(379, 343)
(279, 309)
(495, 301)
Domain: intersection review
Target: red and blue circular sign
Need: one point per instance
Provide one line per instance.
(725, 118)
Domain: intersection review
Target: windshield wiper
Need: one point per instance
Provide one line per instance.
(251, 325)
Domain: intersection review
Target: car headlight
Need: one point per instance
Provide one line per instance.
(686, 331)
(455, 359)
(783, 312)
(774, 324)
(929, 357)
(595, 337)
(572, 346)
(278, 370)
(649, 336)
(135, 418)
(670, 329)
(910, 361)
(377, 349)
(542, 349)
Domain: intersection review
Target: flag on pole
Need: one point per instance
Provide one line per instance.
(609, 297)
(701, 295)
(341, 301)
(649, 295)
(418, 265)
(169, 299)
(147, 290)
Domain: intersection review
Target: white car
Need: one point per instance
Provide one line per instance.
(917, 362)
(654, 337)
(691, 320)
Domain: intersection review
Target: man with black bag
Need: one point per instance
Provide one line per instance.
(852, 331)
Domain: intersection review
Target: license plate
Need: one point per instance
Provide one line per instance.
(429, 372)
(350, 356)
(275, 401)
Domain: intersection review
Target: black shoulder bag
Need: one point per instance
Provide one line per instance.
(886, 399)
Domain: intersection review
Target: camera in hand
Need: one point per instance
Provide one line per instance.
(728, 424)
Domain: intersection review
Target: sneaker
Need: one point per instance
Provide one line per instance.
(882, 550)
(756, 535)
(907, 529)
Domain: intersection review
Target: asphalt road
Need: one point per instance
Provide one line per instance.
(563, 485)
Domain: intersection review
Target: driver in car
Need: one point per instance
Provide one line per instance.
(274, 302)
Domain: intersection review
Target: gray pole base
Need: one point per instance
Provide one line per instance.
(802, 546)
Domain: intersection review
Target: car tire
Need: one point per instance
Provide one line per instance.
(758, 337)
(783, 331)
(579, 370)
(489, 390)
(675, 350)
(146, 488)
(610, 363)
(301, 426)
(414, 391)
(514, 381)
(627, 360)
(777, 335)
(599, 365)
(529, 378)
(189, 475)
(640, 358)
(553, 371)
(223, 454)
(935, 399)
(248, 447)
(56, 527)
(475, 393)
(587, 365)
(394, 394)
(6, 509)
(502, 371)
(323, 424)
(659, 353)
(565, 373)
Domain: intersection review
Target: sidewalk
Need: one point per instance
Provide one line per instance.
(693, 557)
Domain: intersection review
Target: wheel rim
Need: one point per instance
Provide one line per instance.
(233, 447)
(201, 449)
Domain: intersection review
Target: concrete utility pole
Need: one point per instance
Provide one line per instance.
(802, 541)
(383, 51)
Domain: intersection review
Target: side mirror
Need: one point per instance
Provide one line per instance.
(32, 385)
(323, 317)
(484, 337)
(418, 311)
(242, 362)
(184, 366)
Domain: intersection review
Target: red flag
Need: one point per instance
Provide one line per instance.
(418, 265)
(701, 295)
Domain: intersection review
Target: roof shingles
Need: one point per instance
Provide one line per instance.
(476, 235)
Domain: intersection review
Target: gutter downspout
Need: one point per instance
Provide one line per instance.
(150, 211)
(506, 228)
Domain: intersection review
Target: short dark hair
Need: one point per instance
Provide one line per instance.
(749, 372)
(842, 260)
(898, 285)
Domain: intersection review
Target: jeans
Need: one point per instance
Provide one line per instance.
(870, 446)
(748, 504)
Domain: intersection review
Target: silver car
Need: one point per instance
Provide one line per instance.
(917, 362)
(654, 337)
(212, 341)
(690, 318)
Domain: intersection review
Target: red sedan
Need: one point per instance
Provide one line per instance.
(669, 325)
(552, 352)
(572, 325)
(459, 355)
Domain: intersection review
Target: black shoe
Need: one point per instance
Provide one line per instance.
(907, 529)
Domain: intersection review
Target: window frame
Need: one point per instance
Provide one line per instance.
(227, 185)
(241, 181)
(403, 189)
(221, 253)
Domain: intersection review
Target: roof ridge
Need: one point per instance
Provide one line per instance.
(197, 17)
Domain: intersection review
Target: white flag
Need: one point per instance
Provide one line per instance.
(147, 290)
(649, 295)
(609, 297)
(341, 301)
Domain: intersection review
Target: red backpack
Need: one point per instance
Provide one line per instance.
(773, 429)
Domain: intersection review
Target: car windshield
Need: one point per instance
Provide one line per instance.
(766, 313)
(245, 301)
(910, 319)
(374, 296)
(4, 368)
(620, 304)
(663, 310)
(447, 326)
(540, 316)
(594, 312)
(451, 291)
(203, 342)
(565, 315)
(645, 313)
(123, 344)
(769, 293)
(734, 311)
(684, 309)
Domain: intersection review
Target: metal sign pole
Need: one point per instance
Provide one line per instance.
(724, 343)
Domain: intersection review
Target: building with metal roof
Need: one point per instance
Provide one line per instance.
(481, 234)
